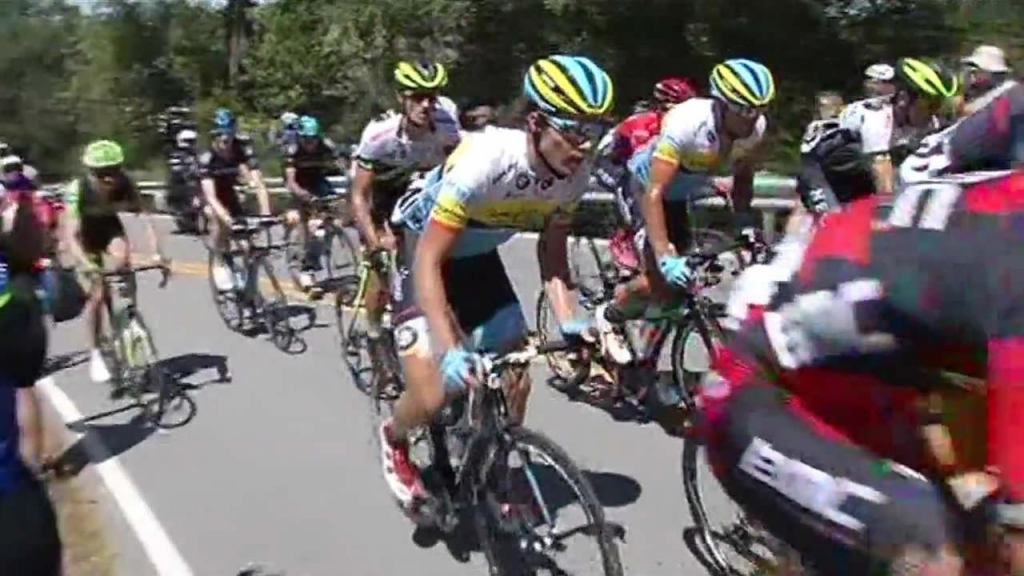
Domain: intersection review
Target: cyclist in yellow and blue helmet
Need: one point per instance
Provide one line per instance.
(571, 96)
(745, 87)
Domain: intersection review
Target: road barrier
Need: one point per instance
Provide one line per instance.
(773, 196)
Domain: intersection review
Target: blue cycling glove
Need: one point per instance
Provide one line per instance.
(675, 270)
(579, 329)
(459, 368)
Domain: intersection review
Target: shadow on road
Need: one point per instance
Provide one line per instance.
(101, 441)
(641, 409)
(60, 362)
(183, 367)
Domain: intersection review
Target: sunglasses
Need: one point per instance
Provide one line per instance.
(577, 132)
(106, 173)
(420, 96)
(746, 112)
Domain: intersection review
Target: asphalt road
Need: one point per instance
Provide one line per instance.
(279, 466)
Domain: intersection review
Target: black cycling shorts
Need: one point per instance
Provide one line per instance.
(843, 509)
(677, 223)
(385, 197)
(232, 202)
(96, 232)
(480, 295)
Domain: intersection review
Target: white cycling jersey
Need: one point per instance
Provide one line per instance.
(386, 147)
(872, 119)
(489, 189)
(689, 138)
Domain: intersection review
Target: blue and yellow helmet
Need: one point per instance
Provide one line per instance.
(743, 82)
(569, 87)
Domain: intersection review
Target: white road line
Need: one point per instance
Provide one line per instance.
(158, 546)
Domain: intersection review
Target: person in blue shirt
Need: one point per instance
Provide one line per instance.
(29, 540)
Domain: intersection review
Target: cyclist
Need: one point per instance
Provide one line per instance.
(390, 151)
(181, 167)
(497, 182)
(229, 158)
(619, 145)
(94, 234)
(289, 130)
(308, 162)
(833, 170)
(697, 138)
(891, 126)
(855, 319)
(879, 80)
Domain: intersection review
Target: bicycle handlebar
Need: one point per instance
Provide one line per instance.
(165, 272)
(498, 362)
(252, 224)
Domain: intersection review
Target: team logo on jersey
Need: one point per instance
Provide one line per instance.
(522, 180)
(405, 338)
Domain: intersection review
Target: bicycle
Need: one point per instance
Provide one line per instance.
(127, 346)
(328, 238)
(466, 469)
(245, 307)
(354, 340)
(692, 314)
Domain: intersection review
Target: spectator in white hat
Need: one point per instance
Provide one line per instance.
(878, 80)
(986, 75)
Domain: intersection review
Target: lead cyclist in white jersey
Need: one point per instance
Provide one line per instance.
(459, 300)
(886, 126)
(697, 138)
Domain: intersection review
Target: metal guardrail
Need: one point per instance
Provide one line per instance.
(775, 193)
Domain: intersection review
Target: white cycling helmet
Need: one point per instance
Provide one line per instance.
(880, 72)
(186, 137)
(9, 161)
(289, 118)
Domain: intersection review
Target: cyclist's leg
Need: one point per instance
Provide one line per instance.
(494, 323)
(99, 240)
(377, 292)
(223, 277)
(839, 506)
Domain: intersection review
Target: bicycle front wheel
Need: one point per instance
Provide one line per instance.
(693, 351)
(523, 517)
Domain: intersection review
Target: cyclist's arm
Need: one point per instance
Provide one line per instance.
(139, 207)
(663, 171)
(362, 201)
(253, 175)
(876, 141)
(553, 260)
(432, 251)
(293, 184)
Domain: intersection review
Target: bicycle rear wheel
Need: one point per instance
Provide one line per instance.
(518, 537)
(171, 406)
(272, 304)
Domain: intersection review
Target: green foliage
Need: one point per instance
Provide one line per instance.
(70, 76)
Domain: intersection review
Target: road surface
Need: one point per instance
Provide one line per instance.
(278, 466)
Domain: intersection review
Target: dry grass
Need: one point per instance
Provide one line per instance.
(80, 514)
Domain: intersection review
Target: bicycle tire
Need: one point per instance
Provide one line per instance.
(226, 302)
(275, 309)
(611, 563)
(565, 379)
(158, 382)
(698, 513)
(710, 332)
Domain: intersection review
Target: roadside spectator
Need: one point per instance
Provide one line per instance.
(29, 542)
(986, 75)
(829, 105)
(878, 80)
(477, 116)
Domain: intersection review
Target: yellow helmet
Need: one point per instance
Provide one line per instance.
(926, 78)
(421, 75)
